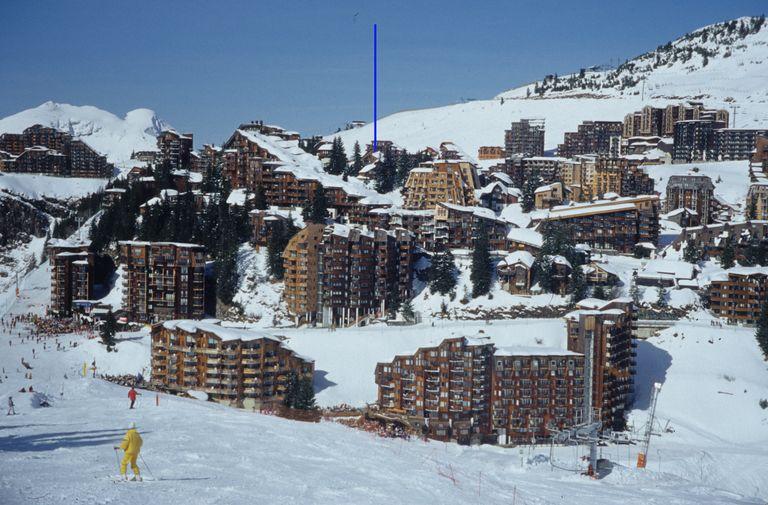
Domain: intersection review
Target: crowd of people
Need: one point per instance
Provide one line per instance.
(44, 334)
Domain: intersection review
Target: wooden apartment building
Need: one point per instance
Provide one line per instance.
(270, 159)
(341, 275)
(611, 224)
(467, 390)
(456, 227)
(603, 332)
(162, 280)
(239, 367)
(621, 176)
(738, 294)
(694, 192)
(44, 150)
(72, 274)
(592, 137)
(175, 149)
(452, 181)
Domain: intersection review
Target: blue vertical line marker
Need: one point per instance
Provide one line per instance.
(375, 88)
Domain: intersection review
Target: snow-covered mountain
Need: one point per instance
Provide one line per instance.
(724, 65)
(112, 136)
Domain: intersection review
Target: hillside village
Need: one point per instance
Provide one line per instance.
(243, 273)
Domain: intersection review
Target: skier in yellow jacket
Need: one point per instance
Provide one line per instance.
(131, 444)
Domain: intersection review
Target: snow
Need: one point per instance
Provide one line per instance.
(725, 81)
(114, 137)
(731, 178)
(669, 268)
(523, 257)
(203, 452)
(38, 186)
(304, 166)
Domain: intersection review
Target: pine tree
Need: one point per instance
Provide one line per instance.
(384, 177)
(728, 256)
(291, 390)
(543, 273)
(599, 292)
(407, 310)
(578, 285)
(305, 394)
(752, 208)
(108, 331)
(761, 332)
(275, 248)
(163, 175)
(337, 162)
(529, 192)
(482, 267)
(357, 161)
(403, 168)
(441, 273)
(317, 210)
(259, 200)
(227, 277)
(691, 253)
(661, 300)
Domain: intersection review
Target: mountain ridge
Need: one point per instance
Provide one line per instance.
(735, 74)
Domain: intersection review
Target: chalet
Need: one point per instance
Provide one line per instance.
(549, 195)
(524, 239)
(496, 195)
(515, 272)
(667, 273)
(601, 274)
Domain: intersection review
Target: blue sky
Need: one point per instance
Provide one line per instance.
(207, 66)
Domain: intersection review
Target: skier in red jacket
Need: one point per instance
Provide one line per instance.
(132, 396)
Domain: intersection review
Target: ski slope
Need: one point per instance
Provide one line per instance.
(201, 452)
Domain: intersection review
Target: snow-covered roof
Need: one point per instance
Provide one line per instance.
(679, 211)
(527, 236)
(194, 177)
(514, 214)
(505, 178)
(481, 212)
(60, 242)
(668, 269)
(145, 243)
(533, 351)
(304, 166)
(740, 272)
(582, 210)
(225, 333)
(560, 260)
(516, 257)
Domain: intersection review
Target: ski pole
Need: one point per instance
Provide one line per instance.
(117, 460)
(147, 466)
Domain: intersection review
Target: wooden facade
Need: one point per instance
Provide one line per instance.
(239, 367)
(72, 275)
(40, 149)
(616, 224)
(738, 294)
(466, 390)
(452, 181)
(162, 280)
(609, 325)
